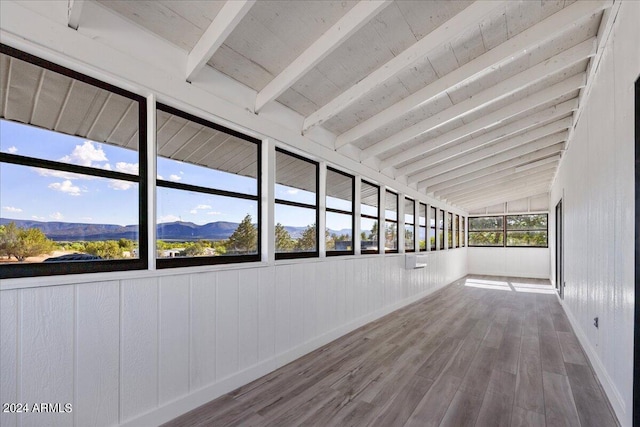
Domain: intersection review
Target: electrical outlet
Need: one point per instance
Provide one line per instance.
(595, 322)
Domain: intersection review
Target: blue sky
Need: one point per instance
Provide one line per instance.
(34, 194)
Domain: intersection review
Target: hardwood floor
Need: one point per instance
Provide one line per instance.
(483, 351)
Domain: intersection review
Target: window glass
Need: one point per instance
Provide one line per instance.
(369, 202)
(457, 231)
(441, 228)
(391, 221)
(71, 181)
(409, 225)
(422, 232)
(207, 192)
(527, 230)
(450, 230)
(486, 231)
(339, 213)
(432, 227)
(463, 239)
(296, 208)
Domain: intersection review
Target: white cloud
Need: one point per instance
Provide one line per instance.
(174, 177)
(193, 211)
(66, 187)
(57, 216)
(168, 218)
(199, 207)
(159, 176)
(292, 191)
(86, 154)
(214, 213)
(11, 209)
(39, 218)
(13, 149)
(120, 185)
(124, 167)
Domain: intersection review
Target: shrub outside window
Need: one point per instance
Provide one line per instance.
(391, 222)
(450, 230)
(463, 240)
(208, 189)
(72, 172)
(457, 232)
(339, 213)
(296, 206)
(409, 225)
(369, 220)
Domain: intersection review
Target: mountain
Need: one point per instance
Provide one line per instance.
(179, 230)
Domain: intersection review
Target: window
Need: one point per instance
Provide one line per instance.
(486, 231)
(422, 224)
(391, 222)
(441, 231)
(409, 225)
(296, 208)
(457, 232)
(339, 213)
(369, 211)
(449, 230)
(527, 230)
(72, 172)
(432, 227)
(208, 188)
(463, 239)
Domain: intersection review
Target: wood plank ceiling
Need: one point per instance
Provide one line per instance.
(472, 102)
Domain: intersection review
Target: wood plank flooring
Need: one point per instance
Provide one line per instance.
(483, 351)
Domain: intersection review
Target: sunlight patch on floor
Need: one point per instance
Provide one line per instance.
(501, 285)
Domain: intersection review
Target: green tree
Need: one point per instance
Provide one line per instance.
(22, 243)
(374, 232)
(126, 244)
(108, 249)
(307, 242)
(284, 242)
(245, 238)
(194, 249)
(220, 247)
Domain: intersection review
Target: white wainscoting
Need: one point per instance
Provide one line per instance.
(514, 262)
(141, 351)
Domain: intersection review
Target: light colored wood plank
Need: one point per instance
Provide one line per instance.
(560, 408)
(227, 321)
(463, 410)
(495, 410)
(8, 354)
(248, 318)
(523, 418)
(433, 406)
(529, 391)
(571, 350)
(203, 330)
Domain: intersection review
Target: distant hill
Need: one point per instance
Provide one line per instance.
(179, 230)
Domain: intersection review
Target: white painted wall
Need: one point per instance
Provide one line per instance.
(515, 262)
(144, 347)
(596, 182)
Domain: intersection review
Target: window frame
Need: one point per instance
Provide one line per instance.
(494, 230)
(456, 233)
(463, 236)
(396, 222)
(425, 226)
(176, 262)
(92, 266)
(434, 212)
(375, 218)
(412, 224)
(441, 228)
(450, 242)
(340, 211)
(276, 201)
(504, 230)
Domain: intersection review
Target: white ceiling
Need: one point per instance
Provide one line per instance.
(471, 102)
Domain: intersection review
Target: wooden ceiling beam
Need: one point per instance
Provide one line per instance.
(503, 176)
(444, 33)
(222, 25)
(487, 97)
(507, 196)
(542, 98)
(74, 13)
(528, 177)
(526, 124)
(495, 164)
(559, 23)
(546, 131)
(351, 22)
